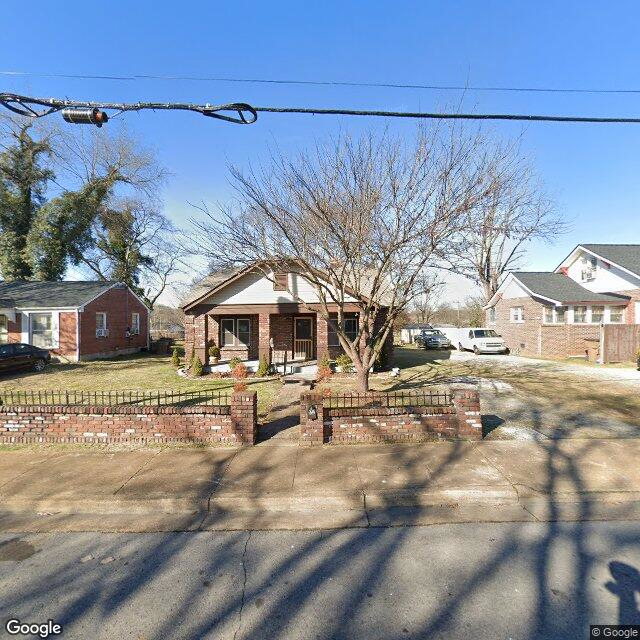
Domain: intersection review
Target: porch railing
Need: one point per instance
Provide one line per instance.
(303, 348)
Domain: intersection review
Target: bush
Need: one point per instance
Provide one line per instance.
(324, 361)
(214, 352)
(324, 372)
(240, 386)
(175, 358)
(344, 362)
(192, 357)
(196, 368)
(239, 371)
(234, 362)
(263, 367)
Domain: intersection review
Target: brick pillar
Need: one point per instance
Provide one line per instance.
(467, 404)
(188, 336)
(322, 337)
(264, 336)
(244, 416)
(201, 338)
(312, 430)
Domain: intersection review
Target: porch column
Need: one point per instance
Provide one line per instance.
(322, 337)
(200, 335)
(264, 336)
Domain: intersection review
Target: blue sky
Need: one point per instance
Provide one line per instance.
(592, 170)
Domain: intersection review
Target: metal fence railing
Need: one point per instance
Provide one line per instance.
(394, 400)
(130, 397)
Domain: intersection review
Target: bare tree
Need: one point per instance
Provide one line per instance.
(514, 211)
(425, 304)
(357, 219)
(132, 243)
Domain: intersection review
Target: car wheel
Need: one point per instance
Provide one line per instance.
(39, 365)
(476, 351)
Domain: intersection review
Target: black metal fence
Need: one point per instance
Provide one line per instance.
(126, 397)
(394, 400)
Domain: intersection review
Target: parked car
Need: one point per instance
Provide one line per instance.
(18, 355)
(432, 339)
(481, 340)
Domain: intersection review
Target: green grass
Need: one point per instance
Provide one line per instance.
(139, 371)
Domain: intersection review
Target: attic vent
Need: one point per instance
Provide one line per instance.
(280, 281)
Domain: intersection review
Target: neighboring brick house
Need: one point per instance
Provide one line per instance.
(559, 313)
(75, 320)
(250, 316)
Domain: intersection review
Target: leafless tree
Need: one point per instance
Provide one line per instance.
(425, 304)
(515, 211)
(361, 218)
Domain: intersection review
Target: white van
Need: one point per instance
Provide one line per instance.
(480, 340)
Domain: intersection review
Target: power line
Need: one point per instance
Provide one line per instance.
(83, 112)
(321, 83)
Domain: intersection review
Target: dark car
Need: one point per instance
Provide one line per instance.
(23, 356)
(432, 339)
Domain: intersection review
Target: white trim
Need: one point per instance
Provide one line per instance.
(593, 253)
(77, 335)
(511, 276)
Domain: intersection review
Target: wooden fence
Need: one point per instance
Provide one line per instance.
(620, 342)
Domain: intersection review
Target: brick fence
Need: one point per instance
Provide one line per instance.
(457, 420)
(231, 424)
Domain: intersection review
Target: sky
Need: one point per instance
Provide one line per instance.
(590, 170)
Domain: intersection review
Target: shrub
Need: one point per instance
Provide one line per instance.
(196, 368)
(263, 367)
(192, 357)
(214, 352)
(324, 361)
(324, 372)
(240, 386)
(239, 371)
(175, 357)
(344, 362)
(234, 362)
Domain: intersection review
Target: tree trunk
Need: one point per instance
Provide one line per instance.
(362, 376)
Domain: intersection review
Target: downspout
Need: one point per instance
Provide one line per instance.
(78, 332)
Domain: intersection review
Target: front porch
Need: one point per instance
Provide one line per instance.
(295, 340)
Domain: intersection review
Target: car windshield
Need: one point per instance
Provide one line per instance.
(432, 332)
(485, 333)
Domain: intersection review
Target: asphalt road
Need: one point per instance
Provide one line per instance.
(514, 580)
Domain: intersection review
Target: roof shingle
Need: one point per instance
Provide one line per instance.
(561, 288)
(46, 295)
(624, 255)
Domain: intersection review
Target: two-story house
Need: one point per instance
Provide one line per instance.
(560, 313)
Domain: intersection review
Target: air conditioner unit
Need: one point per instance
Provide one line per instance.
(102, 333)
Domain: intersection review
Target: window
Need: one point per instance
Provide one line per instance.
(280, 281)
(4, 329)
(235, 332)
(101, 324)
(597, 315)
(135, 324)
(560, 314)
(517, 314)
(589, 266)
(548, 315)
(483, 333)
(579, 314)
(6, 350)
(616, 314)
(492, 314)
(41, 330)
(350, 328)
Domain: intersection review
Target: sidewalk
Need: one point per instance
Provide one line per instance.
(285, 487)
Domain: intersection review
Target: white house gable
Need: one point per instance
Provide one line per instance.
(513, 289)
(598, 275)
(255, 288)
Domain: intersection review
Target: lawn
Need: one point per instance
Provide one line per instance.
(139, 372)
(564, 390)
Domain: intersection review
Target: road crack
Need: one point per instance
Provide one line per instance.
(244, 585)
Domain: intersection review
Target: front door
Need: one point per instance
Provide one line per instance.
(303, 338)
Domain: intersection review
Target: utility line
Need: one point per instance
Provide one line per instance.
(83, 112)
(320, 83)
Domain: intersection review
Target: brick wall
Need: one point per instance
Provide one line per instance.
(459, 421)
(119, 304)
(67, 335)
(234, 424)
(14, 329)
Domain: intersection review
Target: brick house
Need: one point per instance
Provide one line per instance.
(560, 313)
(250, 316)
(74, 320)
